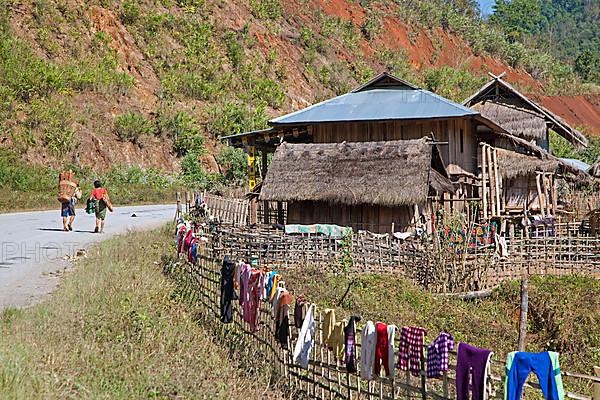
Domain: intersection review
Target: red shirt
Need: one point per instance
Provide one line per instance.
(97, 193)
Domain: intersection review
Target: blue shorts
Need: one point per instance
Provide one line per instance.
(67, 210)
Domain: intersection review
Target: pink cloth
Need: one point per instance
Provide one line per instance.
(252, 299)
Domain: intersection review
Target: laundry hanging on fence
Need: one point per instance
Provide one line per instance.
(391, 330)
(329, 230)
(299, 311)
(282, 317)
(305, 341)
(350, 343)
(227, 290)
(269, 283)
(381, 349)
(546, 367)
(336, 339)
(410, 349)
(252, 294)
(367, 351)
(475, 361)
(437, 355)
(328, 323)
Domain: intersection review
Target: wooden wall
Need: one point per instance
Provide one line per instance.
(462, 152)
(368, 217)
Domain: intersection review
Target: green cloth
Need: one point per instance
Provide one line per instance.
(330, 230)
(100, 209)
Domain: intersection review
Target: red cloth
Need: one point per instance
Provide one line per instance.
(98, 193)
(381, 349)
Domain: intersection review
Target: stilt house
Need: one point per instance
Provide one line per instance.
(372, 158)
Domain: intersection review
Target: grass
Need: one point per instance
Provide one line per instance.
(116, 329)
(29, 187)
(564, 312)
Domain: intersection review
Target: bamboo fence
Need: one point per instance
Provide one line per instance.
(440, 269)
(326, 377)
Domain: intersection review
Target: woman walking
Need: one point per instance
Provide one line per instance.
(101, 200)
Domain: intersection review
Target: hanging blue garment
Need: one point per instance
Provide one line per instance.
(545, 365)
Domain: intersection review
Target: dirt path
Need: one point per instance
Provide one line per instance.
(34, 251)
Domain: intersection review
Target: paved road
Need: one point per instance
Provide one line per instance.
(33, 247)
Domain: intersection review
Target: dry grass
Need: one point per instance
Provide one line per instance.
(115, 329)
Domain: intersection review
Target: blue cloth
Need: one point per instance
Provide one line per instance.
(521, 365)
(269, 285)
(67, 209)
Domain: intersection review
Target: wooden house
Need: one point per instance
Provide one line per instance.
(364, 185)
(519, 115)
(518, 174)
(368, 122)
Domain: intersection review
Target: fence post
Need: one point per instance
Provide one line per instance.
(596, 395)
(523, 317)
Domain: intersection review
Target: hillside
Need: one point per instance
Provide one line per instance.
(101, 83)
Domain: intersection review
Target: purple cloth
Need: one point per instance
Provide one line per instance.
(350, 339)
(437, 355)
(475, 360)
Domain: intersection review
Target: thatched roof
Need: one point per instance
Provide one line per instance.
(512, 164)
(392, 173)
(518, 120)
(528, 157)
(501, 92)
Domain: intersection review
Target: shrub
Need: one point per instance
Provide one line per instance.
(130, 13)
(233, 117)
(132, 125)
(235, 51)
(234, 164)
(266, 9)
(184, 130)
(372, 25)
(268, 91)
(193, 175)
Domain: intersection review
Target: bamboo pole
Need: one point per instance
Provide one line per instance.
(540, 195)
(497, 183)
(490, 162)
(523, 316)
(483, 182)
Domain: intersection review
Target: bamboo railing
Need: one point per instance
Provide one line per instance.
(327, 377)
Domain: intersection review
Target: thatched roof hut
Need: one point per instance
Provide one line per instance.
(512, 164)
(501, 103)
(392, 173)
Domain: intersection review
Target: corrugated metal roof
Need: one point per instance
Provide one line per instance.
(377, 105)
(575, 163)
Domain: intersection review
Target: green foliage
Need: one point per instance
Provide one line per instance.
(454, 84)
(397, 63)
(16, 175)
(234, 164)
(560, 147)
(233, 117)
(517, 17)
(346, 31)
(310, 41)
(184, 130)
(235, 51)
(131, 126)
(266, 9)
(131, 12)
(194, 176)
(371, 27)
(587, 65)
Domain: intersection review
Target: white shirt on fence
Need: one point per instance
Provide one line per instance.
(305, 339)
(367, 350)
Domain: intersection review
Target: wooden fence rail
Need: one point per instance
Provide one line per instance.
(326, 376)
(438, 268)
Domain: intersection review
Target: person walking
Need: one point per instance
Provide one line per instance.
(67, 210)
(102, 201)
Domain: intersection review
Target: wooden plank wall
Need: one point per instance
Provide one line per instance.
(375, 219)
(445, 130)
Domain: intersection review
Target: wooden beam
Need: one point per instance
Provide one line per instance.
(483, 182)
